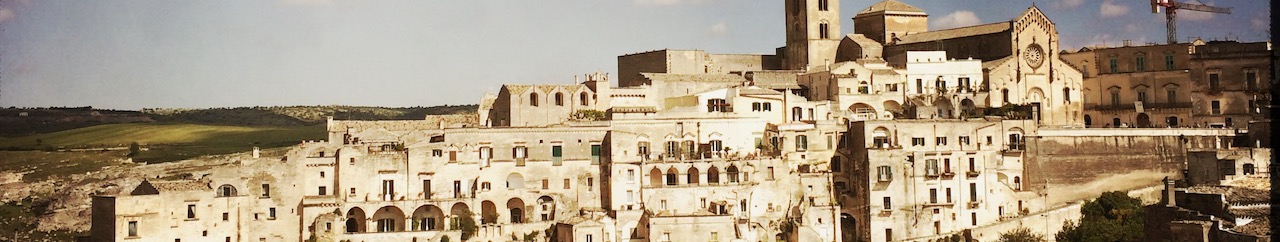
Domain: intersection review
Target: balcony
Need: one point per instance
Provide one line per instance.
(1131, 107)
(1016, 147)
(972, 173)
(973, 204)
(948, 174)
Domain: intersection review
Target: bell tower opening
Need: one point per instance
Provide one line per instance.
(813, 33)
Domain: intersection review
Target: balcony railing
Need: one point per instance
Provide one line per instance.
(1130, 106)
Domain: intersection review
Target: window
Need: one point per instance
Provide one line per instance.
(321, 176)
(191, 211)
(933, 195)
(884, 173)
(642, 148)
(1171, 95)
(1213, 81)
(559, 99)
(519, 152)
(888, 234)
(802, 143)
(964, 140)
(1251, 79)
(755, 106)
(917, 141)
(931, 167)
(948, 195)
(1004, 95)
(822, 30)
(973, 192)
(589, 238)
(582, 99)
(973, 217)
(546, 184)
(972, 166)
(533, 99)
(631, 175)
(822, 5)
(556, 155)
(133, 228)
(266, 188)
(766, 106)
(388, 189)
(226, 191)
(271, 213)
(942, 140)
(1216, 107)
(716, 145)
(919, 86)
(1142, 96)
(946, 165)
(323, 190)
(1168, 61)
(1115, 97)
(426, 189)
(673, 148)
(1066, 94)
(434, 153)
(591, 182)
(595, 154)
(453, 155)
(486, 153)
(566, 183)
(717, 105)
(1115, 65)
(1141, 62)
(888, 203)
(226, 216)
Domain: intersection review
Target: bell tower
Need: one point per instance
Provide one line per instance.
(813, 33)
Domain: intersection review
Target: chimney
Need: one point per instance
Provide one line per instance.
(1169, 192)
(1126, 43)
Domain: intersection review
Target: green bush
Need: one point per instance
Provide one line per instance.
(1114, 216)
(1021, 234)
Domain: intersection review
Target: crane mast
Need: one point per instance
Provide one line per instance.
(1171, 12)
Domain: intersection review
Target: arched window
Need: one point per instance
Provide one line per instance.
(732, 172)
(1088, 120)
(582, 99)
(559, 99)
(1017, 183)
(1004, 95)
(533, 99)
(673, 177)
(822, 29)
(226, 190)
(1066, 94)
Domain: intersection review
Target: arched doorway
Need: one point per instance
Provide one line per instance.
(427, 218)
(1088, 121)
(673, 177)
(968, 108)
(515, 207)
(1248, 168)
(355, 220)
(546, 208)
(389, 219)
(944, 107)
(733, 174)
(488, 212)
(1172, 121)
(515, 181)
(1144, 121)
(893, 108)
(848, 227)
(713, 175)
(692, 176)
(457, 213)
(655, 177)
(863, 111)
(1115, 122)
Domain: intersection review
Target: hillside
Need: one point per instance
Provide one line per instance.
(19, 122)
(168, 142)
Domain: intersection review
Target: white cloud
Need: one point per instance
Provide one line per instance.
(1261, 21)
(6, 14)
(307, 2)
(1068, 3)
(719, 29)
(658, 2)
(1111, 9)
(956, 19)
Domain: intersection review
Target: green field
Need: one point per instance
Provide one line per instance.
(168, 142)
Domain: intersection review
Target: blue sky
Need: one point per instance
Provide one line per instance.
(130, 54)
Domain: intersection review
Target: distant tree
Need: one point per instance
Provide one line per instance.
(134, 149)
(467, 224)
(1114, 216)
(1021, 234)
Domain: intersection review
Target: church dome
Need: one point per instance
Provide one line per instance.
(891, 5)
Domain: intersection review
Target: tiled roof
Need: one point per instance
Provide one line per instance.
(891, 5)
(863, 41)
(693, 77)
(954, 33)
(1252, 212)
(1259, 227)
(757, 91)
(1234, 194)
(775, 79)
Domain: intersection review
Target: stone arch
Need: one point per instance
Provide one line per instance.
(515, 181)
(673, 177)
(515, 209)
(944, 107)
(713, 175)
(389, 219)
(456, 212)
(655, 177)
(227, 190)
(732, 173)
(355, 220)
(1035, 95)
(547, 208)
(968, 108)
(427, 218)
(1143, 120)
(892, 109)
(488, 212)
(848, 226)
(692, 175)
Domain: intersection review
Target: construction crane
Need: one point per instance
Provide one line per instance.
(1171, 11)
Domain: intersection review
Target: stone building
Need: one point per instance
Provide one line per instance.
(1230, 82)
(1135, 86)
